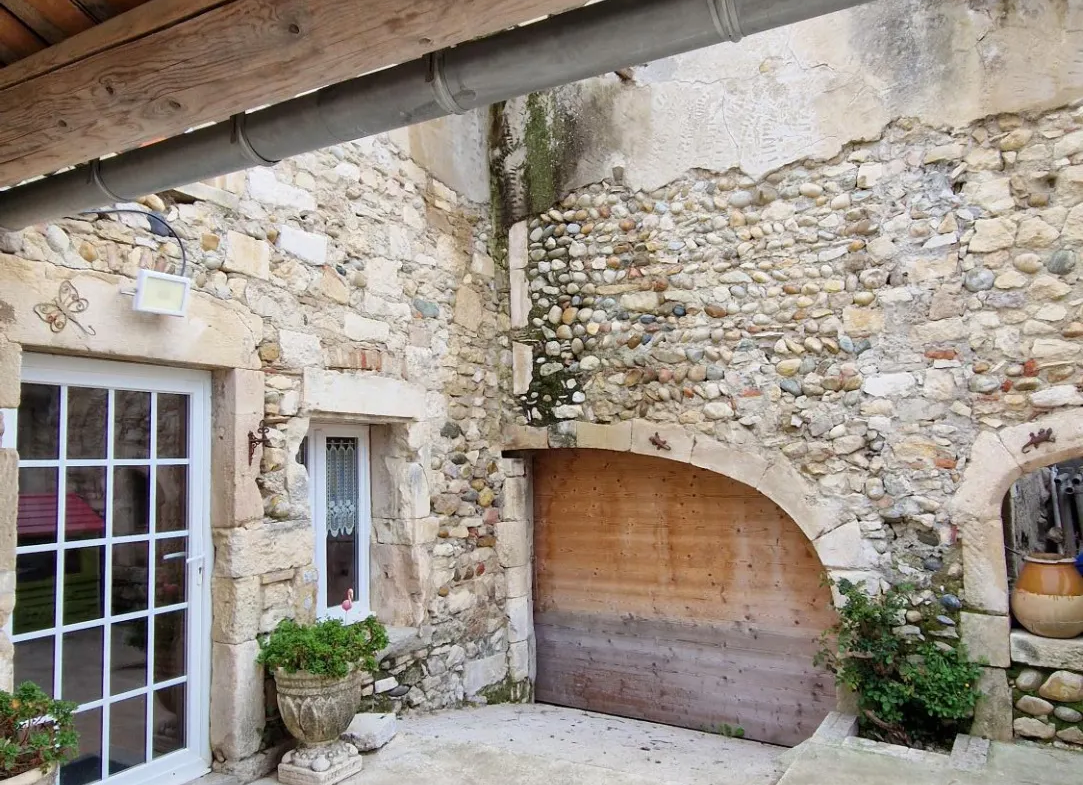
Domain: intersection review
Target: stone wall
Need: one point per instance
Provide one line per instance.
(862, 319)
(804, 90)
(1047, 706)
(348, 285)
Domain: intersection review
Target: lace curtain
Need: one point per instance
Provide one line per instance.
(342, 488)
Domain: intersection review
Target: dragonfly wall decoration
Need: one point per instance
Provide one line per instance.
(63, 309)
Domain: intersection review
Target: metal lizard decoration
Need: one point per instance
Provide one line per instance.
(1041, 437)
(659, 442)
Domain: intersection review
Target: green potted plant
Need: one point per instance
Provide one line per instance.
(318, 671)
(37, 735)
(909, 692)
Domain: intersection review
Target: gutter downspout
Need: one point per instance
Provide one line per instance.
(565, 48)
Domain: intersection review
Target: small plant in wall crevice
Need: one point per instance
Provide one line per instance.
(909, 692)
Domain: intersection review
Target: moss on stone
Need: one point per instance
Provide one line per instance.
(382, 704)
(498, 208)
(508, 691)
(541, 135)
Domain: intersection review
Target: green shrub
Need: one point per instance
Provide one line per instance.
(326, 648)
(35, 730)
(909, 692)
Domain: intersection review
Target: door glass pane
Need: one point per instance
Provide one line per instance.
(127, 734)
(130, 577)
(131, 500)
(37, 506)
(170, 645)
(132, 424)
(171, 571)
(172, 426)
(343, 492)
(82, 673)
(84, 584)
(38, 435)
(128, 666)
(88, 766)
(34, 662)
(172, 502)
(84, 503)
(35, 592)
(88, 414)
(169, 720)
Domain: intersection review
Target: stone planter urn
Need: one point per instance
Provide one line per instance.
(1048, 596)
(34, 777)
(317, 710)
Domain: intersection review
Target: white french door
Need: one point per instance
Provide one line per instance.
(111, 598)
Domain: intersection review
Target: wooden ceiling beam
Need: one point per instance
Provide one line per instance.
(154, 80)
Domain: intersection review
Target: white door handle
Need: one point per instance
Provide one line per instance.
(181, 555)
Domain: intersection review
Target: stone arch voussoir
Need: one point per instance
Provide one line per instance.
(838, 545)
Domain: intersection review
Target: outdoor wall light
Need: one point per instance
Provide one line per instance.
(162, 293)
(157, 292)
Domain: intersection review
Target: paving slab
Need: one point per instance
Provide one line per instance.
(858, 764)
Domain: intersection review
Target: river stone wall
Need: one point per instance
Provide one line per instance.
(862, 318)
(1048, 706)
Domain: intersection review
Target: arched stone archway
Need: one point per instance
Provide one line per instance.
(838, 543)
(997, 461)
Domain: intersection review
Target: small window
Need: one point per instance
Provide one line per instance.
(337, 459)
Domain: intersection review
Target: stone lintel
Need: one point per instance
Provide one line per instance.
(362, 395)
(214, 334)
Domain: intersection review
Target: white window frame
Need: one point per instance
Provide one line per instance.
(194, 760)
(317, 467)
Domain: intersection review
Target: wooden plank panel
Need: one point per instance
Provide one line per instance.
(16, 39)
(677, 595)
(242, 54)
(635, 668)
(144, 20)
(52, 20)
(107, 9)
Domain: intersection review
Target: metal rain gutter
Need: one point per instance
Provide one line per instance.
(576, 45)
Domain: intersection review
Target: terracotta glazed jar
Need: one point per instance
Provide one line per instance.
(1048, 596)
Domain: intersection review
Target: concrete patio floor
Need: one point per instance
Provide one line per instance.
(546, 745)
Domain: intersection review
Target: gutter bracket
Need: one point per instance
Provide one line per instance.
(726, 19)
(239, 137)
(94, 177)
(440, 90)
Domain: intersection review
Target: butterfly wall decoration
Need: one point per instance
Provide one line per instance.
(63, 309)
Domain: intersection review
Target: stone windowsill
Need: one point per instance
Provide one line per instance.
(1047, 652)
(403, 640)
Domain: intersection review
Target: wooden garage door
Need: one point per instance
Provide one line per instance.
(672, 594)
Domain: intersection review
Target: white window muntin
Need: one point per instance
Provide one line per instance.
(194, 760)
